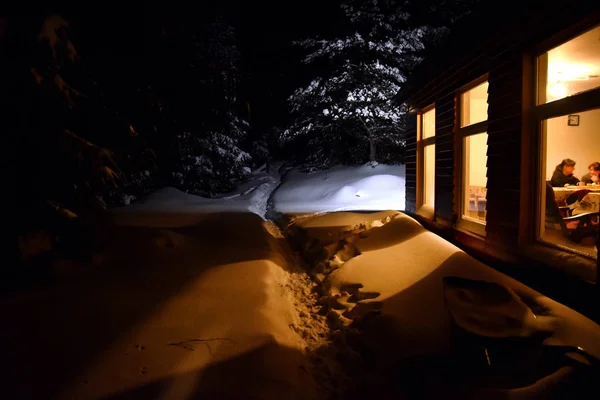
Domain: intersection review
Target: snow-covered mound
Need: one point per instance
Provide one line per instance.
(251, 197)
(342, 188)
(386, 268)
(199, 311)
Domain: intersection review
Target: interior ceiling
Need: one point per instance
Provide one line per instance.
(479, 92)
(575, 64)
(584, 49)
(577, 59)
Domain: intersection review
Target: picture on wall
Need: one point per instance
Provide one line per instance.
(573, 120)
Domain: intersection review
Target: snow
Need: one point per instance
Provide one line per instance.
(387, 263)
(353, 97)
(189, 297)
(203, 309)
(367, 187)
(405, 263)
(251, 196)
(342, 188)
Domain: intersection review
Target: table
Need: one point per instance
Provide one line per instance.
(590, 203)
(561, 193)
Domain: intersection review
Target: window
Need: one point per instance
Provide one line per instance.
(426, 160)
(571, 68)
(472, 133)
(429, 175)
(568, 112)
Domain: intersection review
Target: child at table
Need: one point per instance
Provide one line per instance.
(592, 176)
(596, 175)
(563, 174)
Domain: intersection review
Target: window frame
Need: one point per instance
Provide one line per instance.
(422, 208)
(584, 101)
(460, 133)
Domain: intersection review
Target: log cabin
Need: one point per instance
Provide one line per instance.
(512, 91)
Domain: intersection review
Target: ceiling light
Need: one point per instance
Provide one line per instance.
(557, 90)
(560, 71)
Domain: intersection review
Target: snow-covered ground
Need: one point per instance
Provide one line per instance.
(201, 298)
(251, 196)
(386, 264)
(342, 188)
(178, 305)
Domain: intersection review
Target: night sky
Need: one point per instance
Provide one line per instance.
(265, 30)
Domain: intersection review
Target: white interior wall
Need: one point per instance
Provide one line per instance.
(477, 160)
(429, 183)
(580, 143)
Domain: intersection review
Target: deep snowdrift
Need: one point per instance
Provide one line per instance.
(385, 267)
(342, 188)
(192, 299)
(202, 309)
(251, 196)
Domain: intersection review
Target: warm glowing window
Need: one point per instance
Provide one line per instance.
(570, 213)
(473, 135)
(569, 133)
(571, 68)
(473, 105)
(429, 175)
(475, 177)
(426, 156)
(428, 121)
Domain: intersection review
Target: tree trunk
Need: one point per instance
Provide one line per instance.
(372, 150)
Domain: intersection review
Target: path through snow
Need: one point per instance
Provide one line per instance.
(341, 188)
(260, 199)
(251, 196)
(390, 292)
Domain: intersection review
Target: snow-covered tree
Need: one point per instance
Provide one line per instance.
(211, 159)
(213, 162)
(91, 151)
(345, 113)
(73, 149)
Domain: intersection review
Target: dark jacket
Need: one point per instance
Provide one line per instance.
(559, 179)
(587, 178)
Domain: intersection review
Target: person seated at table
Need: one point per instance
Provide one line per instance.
(563, 174)
(592, 175)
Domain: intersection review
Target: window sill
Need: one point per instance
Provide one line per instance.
(572, 263)
(471, 228)
(426, 211)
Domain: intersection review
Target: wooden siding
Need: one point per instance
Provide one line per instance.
(504, 148)
(444, 157)
(504, 30)
(503, 60)
(443, 95)
(410, 160)
(504, 144)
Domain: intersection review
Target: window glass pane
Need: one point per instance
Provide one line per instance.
(428, 127)
(429, 175)
(574, 138)
(474, 105)
(570, 68)
(475, 177)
